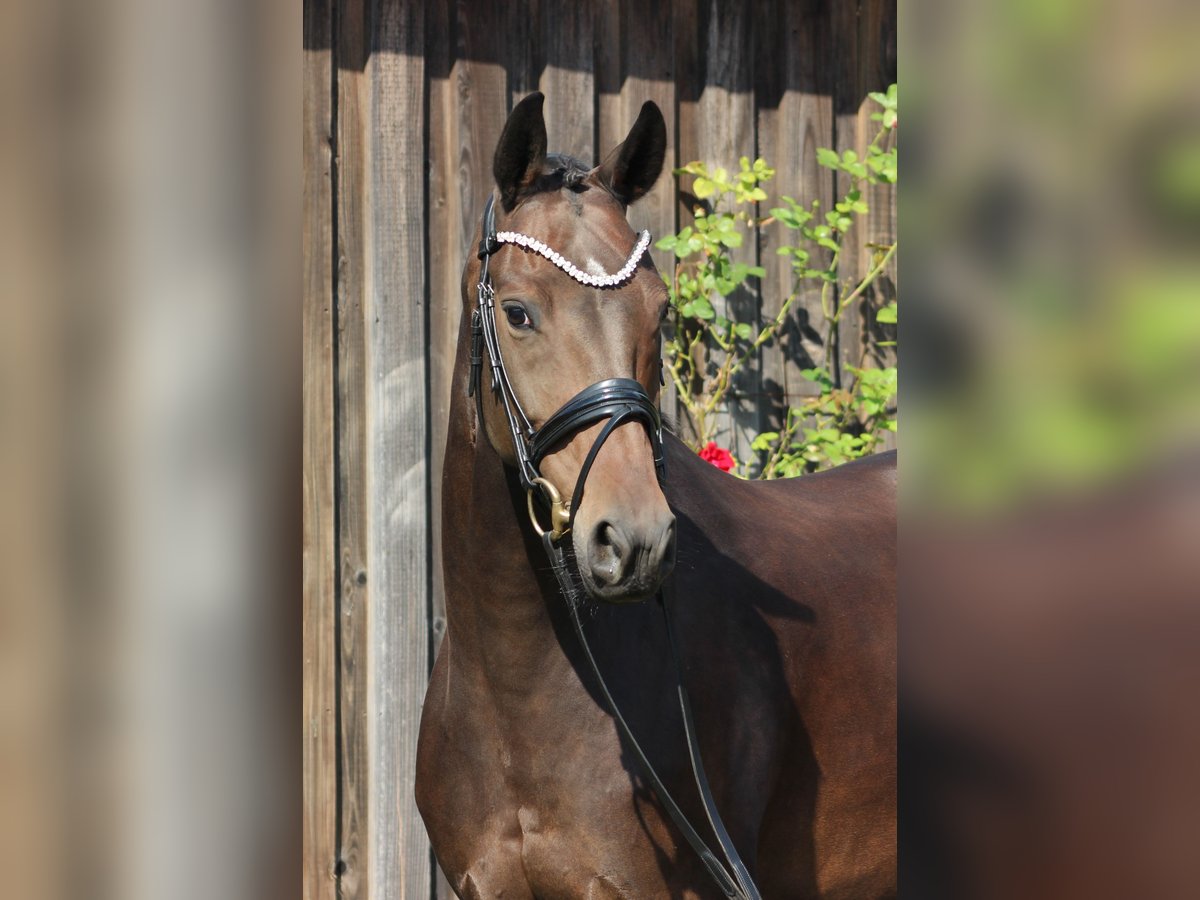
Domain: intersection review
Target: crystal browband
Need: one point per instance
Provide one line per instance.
(600, 281)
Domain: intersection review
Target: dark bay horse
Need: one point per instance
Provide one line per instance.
(784, 597)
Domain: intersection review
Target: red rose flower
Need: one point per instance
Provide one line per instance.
(718, 456)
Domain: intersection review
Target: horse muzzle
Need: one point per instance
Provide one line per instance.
(624, 561)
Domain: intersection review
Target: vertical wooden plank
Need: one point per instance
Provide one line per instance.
(609, 74)
(520, 50)
(443, 229)
(688, 85)
(846, 99)
(862, 33)
(567, 77)
(397, 450)
(319, 591)
(877, 47)
(445, 261)
(484, 100)
(717, 127)
(350, 186)
(642, 69)
(795, 117)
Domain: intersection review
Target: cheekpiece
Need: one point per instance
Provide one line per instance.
(598, 281)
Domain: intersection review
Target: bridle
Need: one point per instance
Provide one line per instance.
(618, 400)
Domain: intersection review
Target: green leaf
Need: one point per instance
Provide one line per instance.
(743, 330)
(828, 158)
(887, 315)
(703, 187)
(764, 440)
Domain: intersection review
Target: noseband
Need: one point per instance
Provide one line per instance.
(618, 400)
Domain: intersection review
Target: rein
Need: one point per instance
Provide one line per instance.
(618, 400)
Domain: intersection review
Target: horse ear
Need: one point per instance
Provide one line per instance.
(631, 169)
(521, 150)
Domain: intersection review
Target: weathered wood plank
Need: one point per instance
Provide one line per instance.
(609, 74)
(650, 40)
(862, 33)
(847, 96)
(443, 231)
(877, 52)
(398, 535)
(353, 554)
(717, 127)
(319, 584)
(795, 117)
(566, 77)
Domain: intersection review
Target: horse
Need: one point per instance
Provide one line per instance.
(782, 593)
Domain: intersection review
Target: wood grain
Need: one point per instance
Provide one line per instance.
(794, 118)
(353, 500)
(566, 77)
(444, 229)
(398, 521)
(861, 36)
(319, 585)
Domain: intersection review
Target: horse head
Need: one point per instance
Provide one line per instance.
(575, 301)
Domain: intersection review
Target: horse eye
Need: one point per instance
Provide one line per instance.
(517, 316)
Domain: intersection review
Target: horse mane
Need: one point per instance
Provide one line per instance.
(560, 172)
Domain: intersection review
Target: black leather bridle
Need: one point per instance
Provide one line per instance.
(618, 400)
(615, 399)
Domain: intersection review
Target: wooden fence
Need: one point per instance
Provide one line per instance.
(404, 102)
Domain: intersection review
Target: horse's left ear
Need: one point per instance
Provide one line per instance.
(631, 169)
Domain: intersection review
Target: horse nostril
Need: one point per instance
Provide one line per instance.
(610, 553)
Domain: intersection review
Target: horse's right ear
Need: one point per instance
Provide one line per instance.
(521, 150)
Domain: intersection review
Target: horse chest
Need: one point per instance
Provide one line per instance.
(543, 808)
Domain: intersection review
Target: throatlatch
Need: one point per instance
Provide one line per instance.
(618, 400)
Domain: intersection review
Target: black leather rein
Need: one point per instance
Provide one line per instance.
(618, 400)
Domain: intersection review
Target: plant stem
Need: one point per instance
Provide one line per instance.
(871, 276)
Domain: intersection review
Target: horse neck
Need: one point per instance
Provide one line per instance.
(497, 613)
